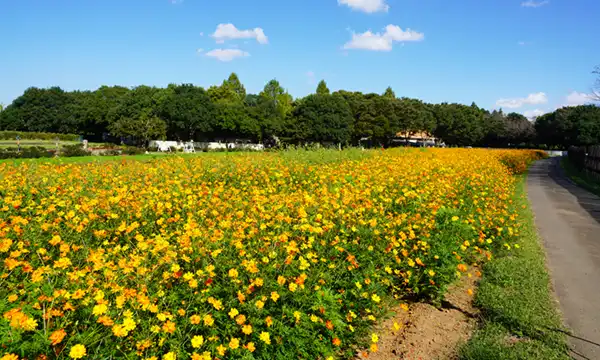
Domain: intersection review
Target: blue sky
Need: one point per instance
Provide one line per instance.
(525, 55)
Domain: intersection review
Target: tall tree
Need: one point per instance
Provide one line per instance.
(459, 124)
(188, 111)
(389, 93)
(323, 118)
(276, 103)
(234, 83)
(519, 129)
(137, 115)
(41, 110)
(322, 88)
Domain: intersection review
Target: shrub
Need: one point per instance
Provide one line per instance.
(74, 151)
(30, 152)
(111, 152)
(132, 150)
(11, 135)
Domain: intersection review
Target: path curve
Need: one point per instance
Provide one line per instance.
(568, 220)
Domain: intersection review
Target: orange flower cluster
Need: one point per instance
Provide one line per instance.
(264, 256)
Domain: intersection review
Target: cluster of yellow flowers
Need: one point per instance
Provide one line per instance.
(254, 256)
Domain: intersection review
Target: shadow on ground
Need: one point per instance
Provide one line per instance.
(555, 180)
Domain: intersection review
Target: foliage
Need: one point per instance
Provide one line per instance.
(189, 111)
(261, 256)
(132, 150)
(322, 88)
(30, 152)
(228, 112)
(12, 135)
(323, 118)
(73, 151)
(570, 126)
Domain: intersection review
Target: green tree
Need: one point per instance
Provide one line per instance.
(519, 129)
(322, 88)
(389, 93)
(40, 110)
(275, 106)
(188, 111)
(234, 83)
(137, 115)
(459, 124)
(495, 129)
(324, 119)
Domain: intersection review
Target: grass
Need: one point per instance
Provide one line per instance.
(581, 178)
(516, 303)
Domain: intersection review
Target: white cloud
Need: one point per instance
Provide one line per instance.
(534, 4)
(532, 114)
(230, 32)
(382, 41)
(200, 50)
(531, 99)
(576, 98)
(226, 54)
(368, 6)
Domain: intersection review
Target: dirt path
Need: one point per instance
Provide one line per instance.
(424, 332)
(568, 220)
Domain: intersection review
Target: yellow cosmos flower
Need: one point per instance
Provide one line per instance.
(208, 320)
(195, 319)
(77, 351)
(265, 337)
(100, 309)
(170, 356)
(234, 343)
(221, 350)
(247, 329)
(233, 313)
(197, 341)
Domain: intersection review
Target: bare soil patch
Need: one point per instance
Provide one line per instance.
(426, 332)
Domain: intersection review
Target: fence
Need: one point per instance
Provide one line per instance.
(586, 158)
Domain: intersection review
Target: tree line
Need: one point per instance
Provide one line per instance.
(189, 112)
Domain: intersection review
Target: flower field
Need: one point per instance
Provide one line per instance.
(250, 256)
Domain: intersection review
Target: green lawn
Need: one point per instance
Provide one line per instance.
(516, 302)
(579, 177)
